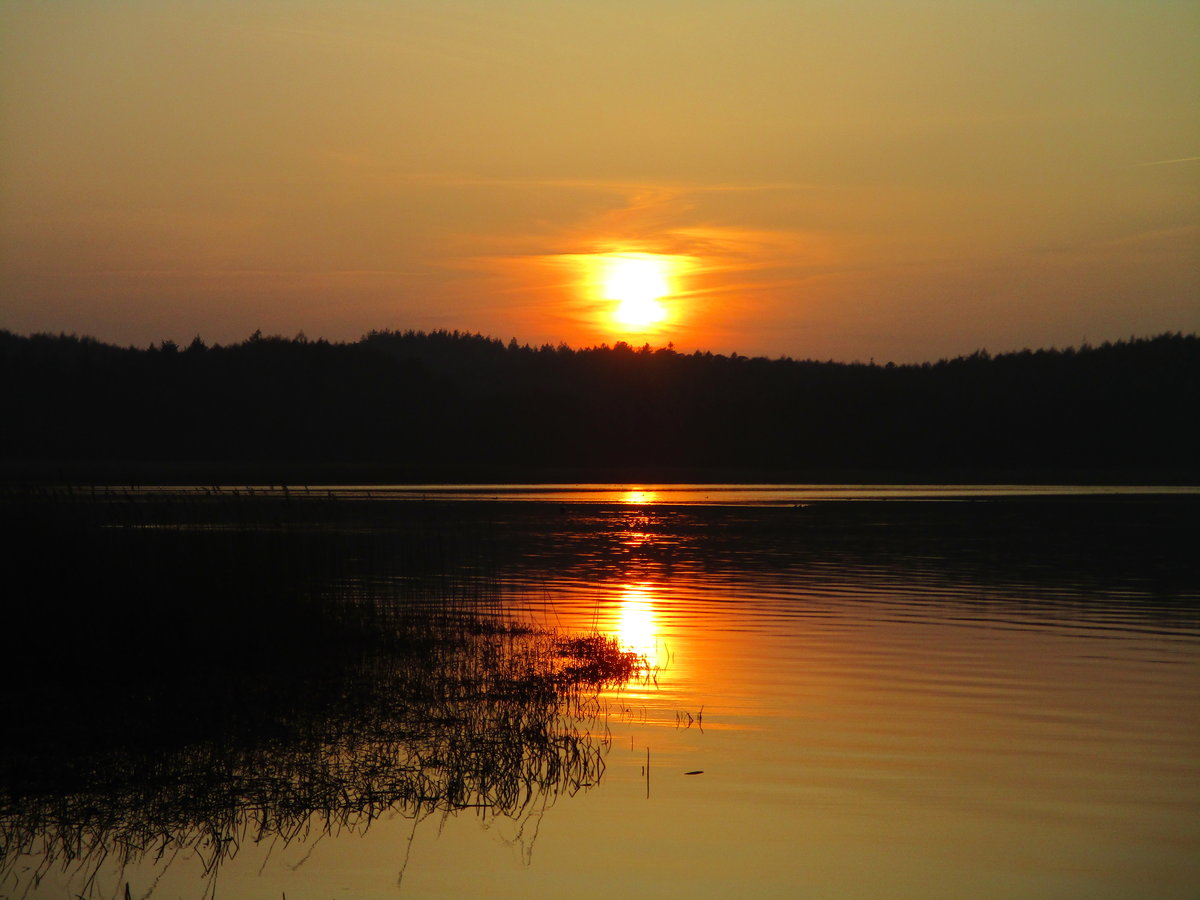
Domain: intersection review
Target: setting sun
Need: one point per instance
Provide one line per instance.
(638, 281)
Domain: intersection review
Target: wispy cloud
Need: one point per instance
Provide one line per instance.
(632, 187)
(1167, 162)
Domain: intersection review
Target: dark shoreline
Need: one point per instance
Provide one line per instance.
(159, 472)
(413, 408)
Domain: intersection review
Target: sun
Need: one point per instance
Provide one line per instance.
(634, 292)
(637, 281)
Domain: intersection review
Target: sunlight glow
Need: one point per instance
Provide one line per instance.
(640, 312)
(639, 496)
(638, 282)
(636, 627)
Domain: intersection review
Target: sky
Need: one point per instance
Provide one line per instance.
(850, 180)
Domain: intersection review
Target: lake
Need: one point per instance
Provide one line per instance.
(845, 691)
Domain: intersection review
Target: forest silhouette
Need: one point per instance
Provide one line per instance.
(411, 405)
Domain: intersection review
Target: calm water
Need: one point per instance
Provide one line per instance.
(929, 693)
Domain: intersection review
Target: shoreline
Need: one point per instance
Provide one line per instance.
(85, 472)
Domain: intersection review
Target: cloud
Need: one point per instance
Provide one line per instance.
(1167, 162)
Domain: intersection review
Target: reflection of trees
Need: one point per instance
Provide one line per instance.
(186, 687)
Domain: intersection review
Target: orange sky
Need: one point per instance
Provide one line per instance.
(838, 179)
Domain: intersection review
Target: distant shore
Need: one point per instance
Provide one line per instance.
(418, 408)
(159, 472)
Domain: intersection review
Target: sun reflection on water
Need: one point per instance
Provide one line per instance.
(640, 495)
(635, 623)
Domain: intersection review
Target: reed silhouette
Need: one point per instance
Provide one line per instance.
(198, 673)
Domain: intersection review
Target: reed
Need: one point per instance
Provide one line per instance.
(204, 675)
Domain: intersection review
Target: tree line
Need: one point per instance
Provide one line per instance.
(455, 404)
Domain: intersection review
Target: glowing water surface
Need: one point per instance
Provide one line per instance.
(996, 697)
(702, 494)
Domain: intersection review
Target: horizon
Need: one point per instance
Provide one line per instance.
(258, 334)
(819, 181)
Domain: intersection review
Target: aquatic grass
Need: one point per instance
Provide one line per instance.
(192, 684)
(489, 725)
(492, 721)
(597, 659)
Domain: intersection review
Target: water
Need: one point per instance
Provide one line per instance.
(700, 494)
(927, 693)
